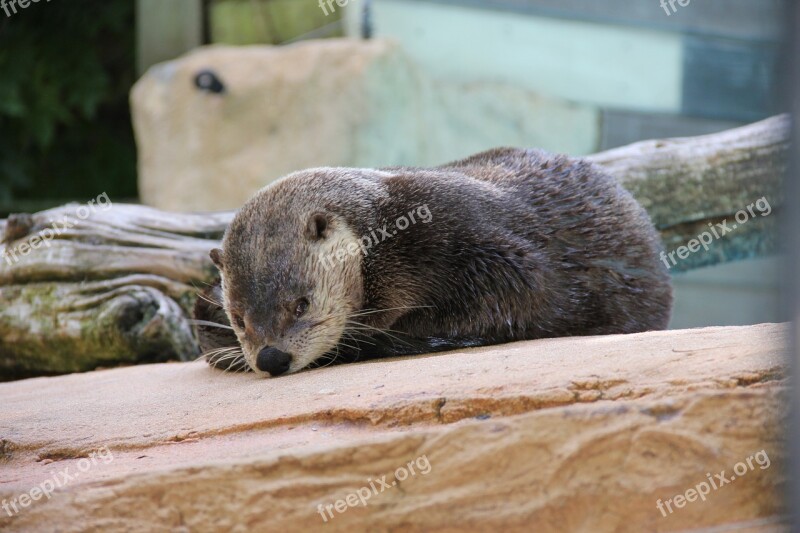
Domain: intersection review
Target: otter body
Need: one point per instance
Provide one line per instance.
(506, 245)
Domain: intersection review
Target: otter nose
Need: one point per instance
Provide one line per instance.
(273, 360)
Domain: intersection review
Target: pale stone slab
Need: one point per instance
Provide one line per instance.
(334, 102)
(560, 434)
(282, 109)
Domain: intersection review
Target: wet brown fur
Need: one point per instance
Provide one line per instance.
(522, 245)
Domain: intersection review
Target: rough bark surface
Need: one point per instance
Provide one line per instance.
(687, 183)
(117, 286)
(113, 287)
(581, 434)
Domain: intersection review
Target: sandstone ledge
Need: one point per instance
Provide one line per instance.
(558, 434)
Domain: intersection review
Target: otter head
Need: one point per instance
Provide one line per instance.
(289, 279)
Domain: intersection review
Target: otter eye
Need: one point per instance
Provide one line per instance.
(301, 307)
(238, 320)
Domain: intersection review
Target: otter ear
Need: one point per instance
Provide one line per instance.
(216, 256)
(318, 226)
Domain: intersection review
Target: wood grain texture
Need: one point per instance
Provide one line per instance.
(688, 183)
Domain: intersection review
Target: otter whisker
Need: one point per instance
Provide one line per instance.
(332, 358)
(224, 356)
(352, 337)
(373, 311)
(220, 354)
(347, 346)
(231, 368)
(209, 300)
(340, 343)
(218, 350)
(364, 327)
(202, 356)
(324, 320)
(208, 323)
(236, 365)
(242, 366)
(206, 283)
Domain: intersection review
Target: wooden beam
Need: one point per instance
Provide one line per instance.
(166, 29)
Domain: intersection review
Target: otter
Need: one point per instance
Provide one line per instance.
(345, 264)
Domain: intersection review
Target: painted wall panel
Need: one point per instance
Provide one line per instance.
(611, 66)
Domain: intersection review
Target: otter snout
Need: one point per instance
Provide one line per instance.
(273, 360)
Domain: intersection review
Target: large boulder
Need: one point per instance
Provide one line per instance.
(221, 122)
(573, 434)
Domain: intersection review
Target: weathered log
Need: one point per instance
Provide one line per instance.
(114, 287)
(118, 285)
(687, 183)
(70, 327)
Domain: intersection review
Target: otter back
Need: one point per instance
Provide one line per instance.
(506, 245)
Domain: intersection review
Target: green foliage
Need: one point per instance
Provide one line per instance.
(65, 71)
(242, 22)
